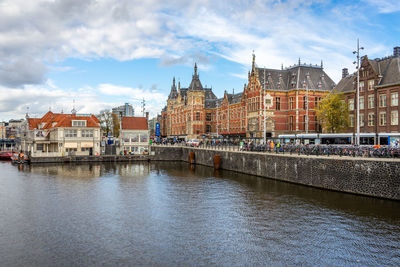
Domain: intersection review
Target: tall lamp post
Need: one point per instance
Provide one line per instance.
(357, 52)
(264, 113)
(306, 121)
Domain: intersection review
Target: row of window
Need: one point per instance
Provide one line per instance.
(80, 123)
(394, 119)
(74, 133)
(133, 138)
(394, 101)
(371, 84)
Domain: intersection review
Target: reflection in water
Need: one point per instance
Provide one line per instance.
(179, 214)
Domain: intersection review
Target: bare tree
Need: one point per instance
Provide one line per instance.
(106, 121)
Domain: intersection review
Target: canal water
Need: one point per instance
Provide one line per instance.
(175, 214)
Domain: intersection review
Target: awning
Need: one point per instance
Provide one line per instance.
(86, 144)
(71, 145)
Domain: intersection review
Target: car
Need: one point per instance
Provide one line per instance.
(193, 142)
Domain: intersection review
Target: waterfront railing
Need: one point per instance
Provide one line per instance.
(307, 150)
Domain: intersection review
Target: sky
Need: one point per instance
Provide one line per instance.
(95, 55)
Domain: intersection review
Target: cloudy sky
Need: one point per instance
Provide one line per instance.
(103, 53)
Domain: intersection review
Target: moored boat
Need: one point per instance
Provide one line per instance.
(6, 155)
(19, 158)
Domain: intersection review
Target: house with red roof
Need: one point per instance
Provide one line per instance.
(134, 135)
(58, 134)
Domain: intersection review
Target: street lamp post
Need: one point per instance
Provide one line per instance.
(306, 122)
(357, 52)
(264, 113)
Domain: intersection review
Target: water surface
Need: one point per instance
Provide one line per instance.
(175, 214)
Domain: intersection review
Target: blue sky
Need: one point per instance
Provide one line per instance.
(104, 53)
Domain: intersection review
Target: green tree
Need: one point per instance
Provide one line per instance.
(115, 122)
(333, 113)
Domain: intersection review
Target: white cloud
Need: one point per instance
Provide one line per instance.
(385, 6)
(41, 98)
(36, 34)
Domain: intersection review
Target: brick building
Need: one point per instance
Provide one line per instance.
(379, 96)
(195, 111)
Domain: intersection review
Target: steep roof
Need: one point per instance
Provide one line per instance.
(57, 120)
(312, 77)
(134, 123)
(390, 70)
(345, 84)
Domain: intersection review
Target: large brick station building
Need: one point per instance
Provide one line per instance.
(379, 97)
(195, 111)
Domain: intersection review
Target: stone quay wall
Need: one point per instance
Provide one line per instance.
(364, 176)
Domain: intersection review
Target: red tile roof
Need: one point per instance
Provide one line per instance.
(54, 120)
(134, 123)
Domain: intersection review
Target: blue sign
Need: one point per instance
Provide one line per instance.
(157, 129)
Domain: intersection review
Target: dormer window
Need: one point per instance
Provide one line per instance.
(80, 123)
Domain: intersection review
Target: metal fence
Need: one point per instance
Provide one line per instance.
(316, 150)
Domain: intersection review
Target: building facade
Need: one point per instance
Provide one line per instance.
(56, 135)
(2, 130)
(286, 98)
(134, 135)
(378, 99)
(124, 111)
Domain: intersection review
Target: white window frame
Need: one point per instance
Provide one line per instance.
(394, 101)
(351, 116)
(382, 118)
(371, 119)
(371, 104)
(394, 120)
(361, 120)
(382, 100)
(78, 123)
(371, 84)
(351, 104)
(361, 103)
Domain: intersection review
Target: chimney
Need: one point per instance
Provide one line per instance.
(396, 51)
(147, 115)
(345, 73)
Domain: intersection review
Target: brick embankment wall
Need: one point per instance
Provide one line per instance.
(372, 177)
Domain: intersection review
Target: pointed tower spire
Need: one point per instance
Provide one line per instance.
(173, 93)
(299, 62)
(253, 64)
(195, 68)
(322, 64)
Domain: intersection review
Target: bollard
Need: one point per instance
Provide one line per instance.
(217, 162)
(192, 158)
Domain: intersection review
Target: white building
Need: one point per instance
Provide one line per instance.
(57, 135)
(134, 135)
